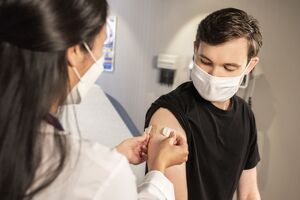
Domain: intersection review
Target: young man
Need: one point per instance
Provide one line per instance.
(218, 125)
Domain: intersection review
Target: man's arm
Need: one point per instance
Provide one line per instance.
(247, 188)
(176, 174)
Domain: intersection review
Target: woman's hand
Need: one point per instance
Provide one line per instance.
(172, 150)
(135, 149)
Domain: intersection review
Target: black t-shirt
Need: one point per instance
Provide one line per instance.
(221, 143)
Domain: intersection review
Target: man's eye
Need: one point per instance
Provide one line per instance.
(205, 63)
(228, 68)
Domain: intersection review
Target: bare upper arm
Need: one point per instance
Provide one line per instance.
(176, 174)
(247, 188)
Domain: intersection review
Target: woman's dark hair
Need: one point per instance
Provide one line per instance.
(228, 24)
(34, 37)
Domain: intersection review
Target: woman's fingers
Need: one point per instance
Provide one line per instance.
(172, 138)
(144, 156)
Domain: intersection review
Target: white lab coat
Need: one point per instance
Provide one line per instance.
(95, 172)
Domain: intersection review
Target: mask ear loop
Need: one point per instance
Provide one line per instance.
(243, 73)
(89, 50)
(92, 55)
(76, 73)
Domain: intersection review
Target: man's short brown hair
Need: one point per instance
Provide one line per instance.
(228, 24)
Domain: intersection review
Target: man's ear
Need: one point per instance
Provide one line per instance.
(253, 62)
(75, 56)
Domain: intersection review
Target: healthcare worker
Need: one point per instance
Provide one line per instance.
(50, 54)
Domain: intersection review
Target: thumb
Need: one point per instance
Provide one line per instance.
(139, 139)
(144, 137)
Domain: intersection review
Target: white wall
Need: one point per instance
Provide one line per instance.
(146, 28)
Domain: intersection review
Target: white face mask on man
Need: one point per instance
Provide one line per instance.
(87, 80)
(213, 88)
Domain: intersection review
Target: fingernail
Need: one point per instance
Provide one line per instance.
(172, 134)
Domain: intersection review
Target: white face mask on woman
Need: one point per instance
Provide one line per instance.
(213, 88)
(87, 80)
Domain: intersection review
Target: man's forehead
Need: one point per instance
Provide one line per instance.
(232, 51)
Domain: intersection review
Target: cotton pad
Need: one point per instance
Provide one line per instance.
(167, 131)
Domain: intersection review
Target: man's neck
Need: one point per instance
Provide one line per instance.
(222, 105)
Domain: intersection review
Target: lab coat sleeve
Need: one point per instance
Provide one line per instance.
(156, 186)
(122, 185)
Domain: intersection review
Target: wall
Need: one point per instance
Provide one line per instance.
(146, 28)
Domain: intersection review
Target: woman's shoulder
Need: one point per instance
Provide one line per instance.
(81, 151)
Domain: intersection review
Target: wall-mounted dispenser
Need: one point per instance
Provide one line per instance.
(167, 65)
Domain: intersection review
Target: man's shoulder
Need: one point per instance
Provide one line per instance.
(183, 91)
(243, 106)
(184, 88)
(176, 101)
(240, 100)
